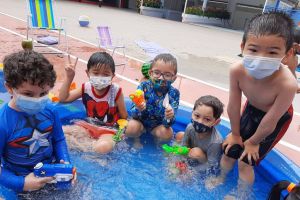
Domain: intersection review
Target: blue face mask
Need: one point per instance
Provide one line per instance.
(162, 86)
(201, 128)
(261, 67)
(31, 105)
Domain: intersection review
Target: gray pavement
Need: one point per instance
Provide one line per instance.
(203, 52)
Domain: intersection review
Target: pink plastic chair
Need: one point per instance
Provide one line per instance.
(106, 42)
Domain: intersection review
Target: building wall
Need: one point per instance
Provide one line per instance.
(242, 15)
(132, 4)
(243, 11)
(177, 5)
(259, 3)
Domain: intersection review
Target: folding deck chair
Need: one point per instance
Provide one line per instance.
(106, 42)
(41, 16)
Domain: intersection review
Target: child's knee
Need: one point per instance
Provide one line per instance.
(134, 128)
(163, 133)
(198, 154)
(179, 136)
(227, 162)
(104, 145)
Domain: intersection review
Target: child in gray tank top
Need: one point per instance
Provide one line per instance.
(201, 135)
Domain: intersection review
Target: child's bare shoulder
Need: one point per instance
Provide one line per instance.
(237, 69)
(286, 79)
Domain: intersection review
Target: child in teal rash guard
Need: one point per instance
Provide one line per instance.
(153, 116)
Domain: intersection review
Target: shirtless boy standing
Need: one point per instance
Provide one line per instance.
(269, 88)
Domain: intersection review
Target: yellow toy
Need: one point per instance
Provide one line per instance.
(138, 97)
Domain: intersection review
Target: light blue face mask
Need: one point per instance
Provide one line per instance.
(261, 67)
(30, 105)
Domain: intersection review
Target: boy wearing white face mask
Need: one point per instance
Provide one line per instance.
(31, 131)
(269, 88)
(103, 100)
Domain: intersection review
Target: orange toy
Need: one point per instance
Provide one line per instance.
(55, 98)
(95, 131)
(138, 97)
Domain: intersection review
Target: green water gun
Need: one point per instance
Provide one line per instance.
(176, 149)
(122, 124)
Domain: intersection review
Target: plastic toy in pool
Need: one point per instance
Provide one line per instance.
(63, 173)
(137, 98)
(84, 21)
(94, 130)
(181, 166)
(55, 98)
(122, 125)
(176, 149)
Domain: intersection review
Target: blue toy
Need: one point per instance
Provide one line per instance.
(63, 173)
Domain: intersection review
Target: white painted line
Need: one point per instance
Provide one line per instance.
(284, 143)
(289, 145)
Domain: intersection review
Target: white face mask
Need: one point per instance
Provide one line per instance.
(100, 82)
(261, 67)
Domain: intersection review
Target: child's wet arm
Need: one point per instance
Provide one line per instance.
(271, 118)
(66, 96)
(8, 178)
(64, 90)
(234, 104)
(59, 142)
(122, 107)
(12, 181)
(185, 139)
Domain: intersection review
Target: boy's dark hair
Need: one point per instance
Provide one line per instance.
(167, 58)
(28, 66)
(271, 23)
(213, 102)
(100, 59)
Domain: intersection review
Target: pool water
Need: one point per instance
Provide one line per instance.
(129, 173)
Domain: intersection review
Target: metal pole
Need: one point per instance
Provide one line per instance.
(204, 5)
(186, 1)
(141, 6)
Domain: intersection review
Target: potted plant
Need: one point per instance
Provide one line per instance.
(151, 8)
(215, 16)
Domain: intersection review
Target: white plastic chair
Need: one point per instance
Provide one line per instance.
(106, 42)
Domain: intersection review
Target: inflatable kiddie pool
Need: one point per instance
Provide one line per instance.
(127, 173)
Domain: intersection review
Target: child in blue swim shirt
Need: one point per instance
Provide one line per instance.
(162, 100)
(30, 128)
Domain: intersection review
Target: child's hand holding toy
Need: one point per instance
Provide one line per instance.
(138, 99)
(60, 174)
(169, 113)
(33, 183)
